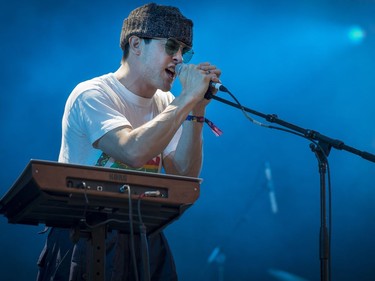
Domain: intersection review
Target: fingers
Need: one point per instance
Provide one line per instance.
(191, 76)
(210, 70)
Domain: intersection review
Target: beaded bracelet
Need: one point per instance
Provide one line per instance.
(202, 119)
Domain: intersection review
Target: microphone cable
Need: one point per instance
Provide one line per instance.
(316, 147)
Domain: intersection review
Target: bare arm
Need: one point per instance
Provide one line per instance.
(188, 157)
(136, 146)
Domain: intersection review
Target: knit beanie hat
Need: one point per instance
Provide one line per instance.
(153, 20)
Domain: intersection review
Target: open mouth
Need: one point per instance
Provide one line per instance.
(171, 72)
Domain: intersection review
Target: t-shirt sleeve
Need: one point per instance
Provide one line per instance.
(98, 114)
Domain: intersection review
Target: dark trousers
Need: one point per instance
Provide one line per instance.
(62, 260)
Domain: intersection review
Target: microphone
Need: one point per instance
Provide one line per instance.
(218, 86)
(213, 85)
(271, 191)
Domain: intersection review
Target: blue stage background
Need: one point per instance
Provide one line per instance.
(292, 58)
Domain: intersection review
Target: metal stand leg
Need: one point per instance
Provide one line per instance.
(98, 248)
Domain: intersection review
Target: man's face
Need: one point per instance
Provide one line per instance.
(159, 62)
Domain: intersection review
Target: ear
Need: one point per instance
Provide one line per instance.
(135, 45)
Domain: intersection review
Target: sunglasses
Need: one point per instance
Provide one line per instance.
(172, 46)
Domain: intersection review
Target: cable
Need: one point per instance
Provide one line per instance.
(84, 215)
(328, 174)
(245, 113)
(130, 221)
(58, 266)
(139, 208)
(102, 223)
(131, 231)
(145, 273)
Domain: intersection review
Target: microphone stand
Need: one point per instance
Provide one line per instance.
(310, 134)
(321, 148)
(218, 257)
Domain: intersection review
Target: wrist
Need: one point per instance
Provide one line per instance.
(199, 110)
(196, 118)
(202, 119)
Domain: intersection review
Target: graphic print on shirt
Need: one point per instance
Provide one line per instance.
(151, 166)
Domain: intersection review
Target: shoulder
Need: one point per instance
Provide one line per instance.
(91, 89)
(94, 84)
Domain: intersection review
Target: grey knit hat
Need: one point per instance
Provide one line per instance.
(153, 20)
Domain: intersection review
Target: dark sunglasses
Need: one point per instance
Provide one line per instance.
(172, 46)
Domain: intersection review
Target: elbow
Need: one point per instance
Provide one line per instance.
(191, 169)
(136, 163)
(134, 159)
(192, 172)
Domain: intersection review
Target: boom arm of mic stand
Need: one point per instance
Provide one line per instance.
(310, 134)
(321, 152)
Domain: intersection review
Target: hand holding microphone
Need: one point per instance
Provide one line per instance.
(206, 69)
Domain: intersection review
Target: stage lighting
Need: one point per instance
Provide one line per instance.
(356, 34)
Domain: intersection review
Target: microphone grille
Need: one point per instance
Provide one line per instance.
(179, 68)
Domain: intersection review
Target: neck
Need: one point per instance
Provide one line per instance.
(133, 80)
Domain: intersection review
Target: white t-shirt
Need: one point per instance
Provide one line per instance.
(100, 105)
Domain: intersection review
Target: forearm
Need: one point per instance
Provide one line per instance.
(187, 159)
(136, 146)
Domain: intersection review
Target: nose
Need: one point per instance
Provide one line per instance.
(178, 56)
